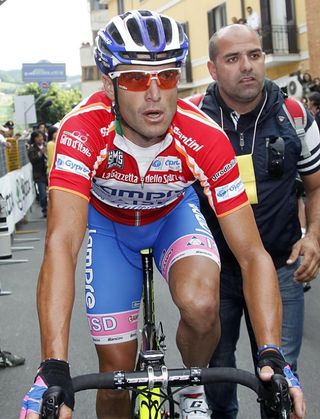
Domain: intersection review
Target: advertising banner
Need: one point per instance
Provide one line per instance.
(18, 191)
(43, 72)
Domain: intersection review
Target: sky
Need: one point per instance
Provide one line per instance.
(35, 30)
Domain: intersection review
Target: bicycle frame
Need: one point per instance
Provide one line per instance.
(152, 347)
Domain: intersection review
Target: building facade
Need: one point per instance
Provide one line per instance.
(289, 29)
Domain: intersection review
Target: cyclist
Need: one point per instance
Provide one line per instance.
(125, 160)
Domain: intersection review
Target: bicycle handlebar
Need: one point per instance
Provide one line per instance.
(273, 395)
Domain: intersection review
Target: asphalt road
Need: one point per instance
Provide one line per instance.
(19, 332)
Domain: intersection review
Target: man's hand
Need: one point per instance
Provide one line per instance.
(52, 372)
(272, 361)
(307, 247)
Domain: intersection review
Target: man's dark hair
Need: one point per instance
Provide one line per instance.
(315, 98)
(9, 124)
(51, 130)
(41, 123)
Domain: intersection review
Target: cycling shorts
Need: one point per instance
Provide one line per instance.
(114, 279)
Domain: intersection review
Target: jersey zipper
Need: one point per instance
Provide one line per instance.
(138, 213)
(137, 218)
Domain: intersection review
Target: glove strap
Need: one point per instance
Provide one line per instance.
(269, 346)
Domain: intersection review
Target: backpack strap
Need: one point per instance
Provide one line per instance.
(297, 116)
(196, 99)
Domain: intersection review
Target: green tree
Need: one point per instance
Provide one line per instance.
(53, 105)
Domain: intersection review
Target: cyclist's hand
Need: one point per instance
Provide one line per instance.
(271, 362)
(64, 413)
(51, 372)
(309, 249)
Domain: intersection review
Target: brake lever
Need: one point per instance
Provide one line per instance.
(281, 391)
(52, 400)
(276, 399)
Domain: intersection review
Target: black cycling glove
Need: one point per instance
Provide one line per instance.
(52, 372)
(56, 372)
(274, 359)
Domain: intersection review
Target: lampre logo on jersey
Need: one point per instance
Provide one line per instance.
(68, 164)
(230, 190)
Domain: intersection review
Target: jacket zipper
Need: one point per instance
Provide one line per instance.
(241, 142)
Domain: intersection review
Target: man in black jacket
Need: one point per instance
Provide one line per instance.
(37, 153)
(250, 109)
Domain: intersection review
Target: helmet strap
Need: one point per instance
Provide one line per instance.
(116, 110)
(115, 105)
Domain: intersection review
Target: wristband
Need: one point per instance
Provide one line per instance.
(303, 232)
(276, 360)
(269, 346)
(54, 359)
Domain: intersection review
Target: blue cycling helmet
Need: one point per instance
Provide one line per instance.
(140, 37)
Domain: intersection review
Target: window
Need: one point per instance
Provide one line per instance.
(90, 73)
(120, 6)
(98, 5)
(217, 18)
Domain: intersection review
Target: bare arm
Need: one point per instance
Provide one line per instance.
(67, 221)
(260, 282)
(309, 246)
(312, 187)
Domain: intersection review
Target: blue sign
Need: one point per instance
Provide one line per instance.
(43, 72)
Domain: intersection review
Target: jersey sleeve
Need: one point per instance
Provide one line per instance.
(76, 154)
(221, 179)
(211, 158)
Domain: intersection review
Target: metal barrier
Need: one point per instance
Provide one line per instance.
(16, 156)
(3, 162)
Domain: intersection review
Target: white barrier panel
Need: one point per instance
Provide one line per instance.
(17, 189)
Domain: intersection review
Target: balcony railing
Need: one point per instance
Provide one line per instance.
(280, 39)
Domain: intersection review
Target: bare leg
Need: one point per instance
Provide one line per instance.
(115, 404)
(194, 286)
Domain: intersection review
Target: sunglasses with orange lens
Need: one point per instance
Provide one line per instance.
(140, 80)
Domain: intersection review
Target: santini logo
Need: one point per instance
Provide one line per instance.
(188, 141)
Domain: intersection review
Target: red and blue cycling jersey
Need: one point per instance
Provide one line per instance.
(97, 163)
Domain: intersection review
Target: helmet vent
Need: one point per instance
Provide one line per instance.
(181, 33)
(167, 29)
(145, 13)
(153, 32)
(134, 31)
(114, 32)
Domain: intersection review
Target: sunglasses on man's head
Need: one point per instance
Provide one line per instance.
(140, 80)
